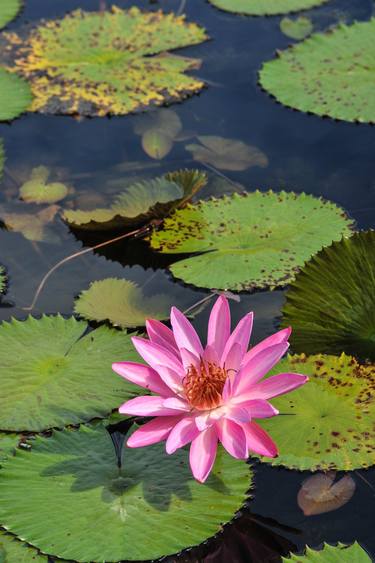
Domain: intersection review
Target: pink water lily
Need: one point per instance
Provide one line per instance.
(206, 395)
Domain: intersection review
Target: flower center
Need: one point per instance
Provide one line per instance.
(204, 386)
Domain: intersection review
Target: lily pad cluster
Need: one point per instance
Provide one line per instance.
(112, 62)
(248, 241)
(329, 74)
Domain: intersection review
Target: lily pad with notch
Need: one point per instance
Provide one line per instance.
(248, 241)
(38, 190)
(73, 479)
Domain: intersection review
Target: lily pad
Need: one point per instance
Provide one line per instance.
(254, 240)
(332, 554)
(297, 28)
(37, 190)
(158, 130)
(320, 493)
(99, 63)
(331, 303)
(54, 373)
(141, 202)
(72, 480)
(8, 11)
(8, 444)
(122, 303)
(329, 74)
(330, 422)
(33, 226)
(15, 551)
(265, 7)
(227, 154)
(15, 95)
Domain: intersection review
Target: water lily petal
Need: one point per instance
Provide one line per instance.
(189, 359)
(210, 355)
(278, 385)
(233, 359)
(219, 325)
(184, 333)
(238, 413)
(177, 404)
(256, 368)
(258, 408)
(241, 335)
(160, 334)
(203, 453)
(233, 438)
(258, 440)
(151, 432)
(161, 360)
(142, 375)
(147, 405)
(277, 338)
(184, 432)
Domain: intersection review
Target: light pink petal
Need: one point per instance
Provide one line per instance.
(184, 333)
(219, 325)
(160, 334)
(208, 418)
(277, 338)
(241, 335)
(177, 404)
(161, 360)
(258, 440)
(233, 438)
(142, 375)
(233, 359)
(189, 359)
(238, 413)
(258, 408)
(203, 453)
(147, 405)
(183, 433)
(210, 355)
(153, 431)
(256, 368)
(278, 385)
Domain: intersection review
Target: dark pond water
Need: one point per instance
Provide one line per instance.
(319, 156)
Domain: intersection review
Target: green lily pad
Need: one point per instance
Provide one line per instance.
(15, 95)
(15, 551)
(8, 444)
(227, 154)
(332, 554)
(265, 7)
(8, 11)
(297, 28)
(329, 74)
(77, 491)
(141, 202)
(254, 240)
(111, 62)
(329, 423)
(52, 373)
(37, 190)
(122, 303)
(158, 130)
(331, 303)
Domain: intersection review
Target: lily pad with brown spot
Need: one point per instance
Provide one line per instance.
(248, 241)
(329, 423)
(100, 63)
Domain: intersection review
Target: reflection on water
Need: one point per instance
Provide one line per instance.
(98, 157)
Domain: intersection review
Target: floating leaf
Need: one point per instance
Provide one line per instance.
(73, 483)
(331, 303)
(33, 226)
(15, 551)
(227, 154)
(328, 423)
(8, 444)
(122, 302)
(52, 373)
(319, 493)
(37, 190)
(265, 7)
(156, 144)
(15, 95)
(254, 240)
(328, 74)
(141, 202)
(297, 28)
(8, 11)
(98, 63)
(159, 130)
(332, 554)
